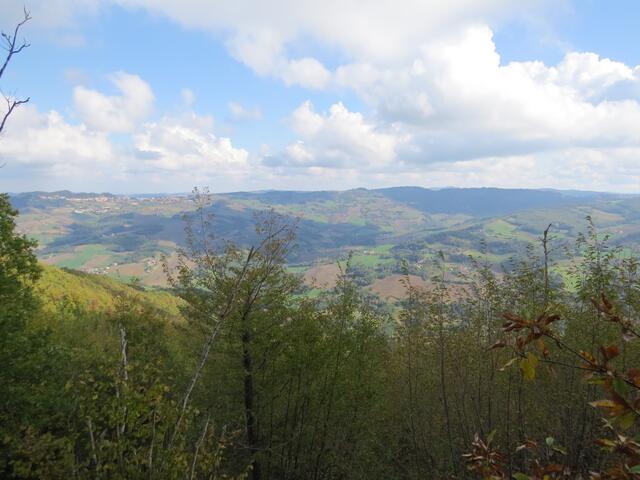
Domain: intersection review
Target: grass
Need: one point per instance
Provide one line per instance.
(370, 260)
(357, 221)
(314, 293)
(127, 279)
(83, 254)
(385, 248)
(627, 252)
(500, 228)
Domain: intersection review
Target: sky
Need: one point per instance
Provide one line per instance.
(148, 96)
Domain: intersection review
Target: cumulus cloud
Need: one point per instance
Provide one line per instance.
(307, 72)
(440, 105)
(263, 51)
(457, 107)
(172, 153)
(46, 141)
(458, 101)
(338, 139)
(384, 30)
(187, 144)
(262, 35)
(115, 113)
(436, 88)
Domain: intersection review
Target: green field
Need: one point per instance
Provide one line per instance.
(83, 254)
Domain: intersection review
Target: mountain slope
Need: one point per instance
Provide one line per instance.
(100, 293)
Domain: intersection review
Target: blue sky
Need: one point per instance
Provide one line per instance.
(148, 96)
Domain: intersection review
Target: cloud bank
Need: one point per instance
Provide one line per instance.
(438, 105)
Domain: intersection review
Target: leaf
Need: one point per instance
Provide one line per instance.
(491, 435)
(603, 404)
(587, 356)
(634, 376)
(520, 476)
(508, 364)
(549, 441)
(528, 366)
(527, 370)
(558, 449)
(610, 351)
(627, 420)
(619, 386)
(532, 359)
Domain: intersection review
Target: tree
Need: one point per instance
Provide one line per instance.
(226, 288)
(12, 47)
(19, 270)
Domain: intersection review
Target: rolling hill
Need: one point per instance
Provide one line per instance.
(125, 236)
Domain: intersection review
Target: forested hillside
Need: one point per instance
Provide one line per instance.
(100, 293)
(525, 372)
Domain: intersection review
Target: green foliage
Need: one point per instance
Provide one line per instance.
(19, 270)
(234, 374)
(99, 292)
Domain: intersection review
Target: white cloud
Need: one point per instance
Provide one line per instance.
(384, 30)
(262, 35)
(263, 52)
(187, 144)
(45, 141)
(441, 107)
(241, 113)
(44, 151)
(307, 72)
(116, 113)
(456, 115)
(476, 107)
(614, 169)
(76, 76)
(590, 75)
(48, 13)
(338, 139)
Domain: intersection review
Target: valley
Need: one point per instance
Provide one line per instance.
(385, 232)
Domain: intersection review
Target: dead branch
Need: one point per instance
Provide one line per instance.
(11, 45)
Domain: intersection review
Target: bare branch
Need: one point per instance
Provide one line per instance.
(12, 49)
(11, 42)
(11, 105)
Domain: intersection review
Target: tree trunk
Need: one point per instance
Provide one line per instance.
(249, 412)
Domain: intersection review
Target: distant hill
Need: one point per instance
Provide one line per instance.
(124, 236)
(484, 202)
(48, 199)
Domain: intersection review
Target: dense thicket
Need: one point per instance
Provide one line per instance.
(256, 380)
